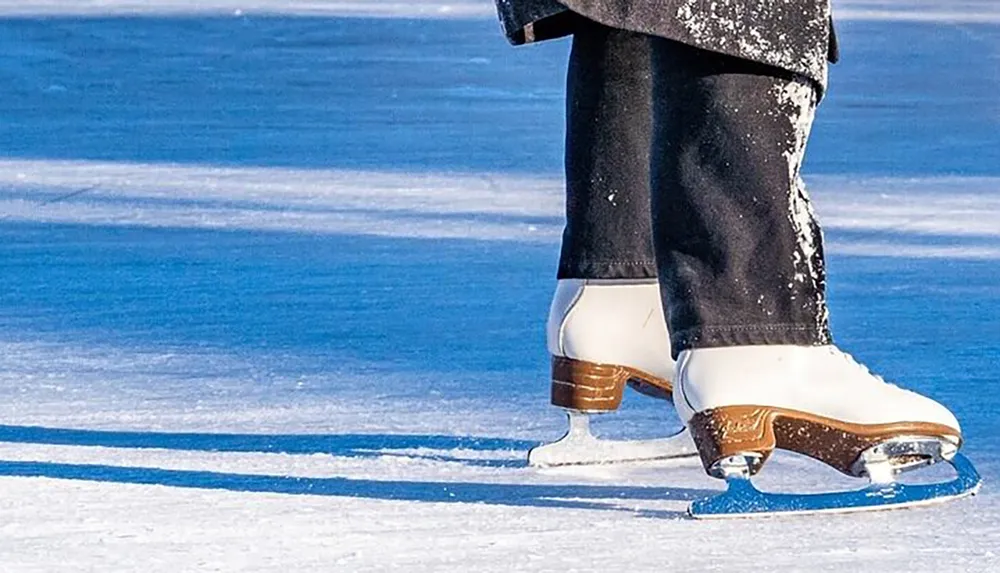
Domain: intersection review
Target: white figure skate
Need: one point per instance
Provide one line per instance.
(742, 403)
(604, 336)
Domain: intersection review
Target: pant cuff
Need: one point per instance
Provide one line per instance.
(608, 270)
(722, 336)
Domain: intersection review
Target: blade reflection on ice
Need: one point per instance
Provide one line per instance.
(742, 499)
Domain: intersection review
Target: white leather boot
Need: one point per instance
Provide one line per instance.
(603, 335)
(744, 402)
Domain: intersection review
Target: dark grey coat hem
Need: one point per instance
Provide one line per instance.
(793, 35)
(520, 18)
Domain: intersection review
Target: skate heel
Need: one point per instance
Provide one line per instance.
(596, 388)
(733, 434)
(583, 388)
(587, 387)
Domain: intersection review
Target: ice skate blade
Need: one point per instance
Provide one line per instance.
(742, 499)
(580, 447)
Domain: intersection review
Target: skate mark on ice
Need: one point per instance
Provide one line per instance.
(46, 197)
(342, 445)
(572, 496)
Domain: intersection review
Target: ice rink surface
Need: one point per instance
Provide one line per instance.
(273, 281)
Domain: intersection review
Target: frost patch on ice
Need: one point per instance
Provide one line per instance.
(951, 11)
(493, 207)
(158, 387)
(311, 201)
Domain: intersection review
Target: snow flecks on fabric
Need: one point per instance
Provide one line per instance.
(789, 34)
(798, 99)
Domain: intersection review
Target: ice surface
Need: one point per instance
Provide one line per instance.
(369, 8)
(272, 294)
(938, 216)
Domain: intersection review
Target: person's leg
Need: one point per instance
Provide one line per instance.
(740, 252)
(606, 325)
(608, 131)
(607, 289)
(742, 276)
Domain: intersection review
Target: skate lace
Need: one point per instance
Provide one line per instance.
(854, 364)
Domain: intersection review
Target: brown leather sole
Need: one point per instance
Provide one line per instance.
(733, 430)
(590, 387)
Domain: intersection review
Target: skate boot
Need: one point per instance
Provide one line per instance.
(742, 403)
(604, 336)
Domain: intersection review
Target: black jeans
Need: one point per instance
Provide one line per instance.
(683, 164)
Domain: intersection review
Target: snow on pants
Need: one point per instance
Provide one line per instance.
(683, 164)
